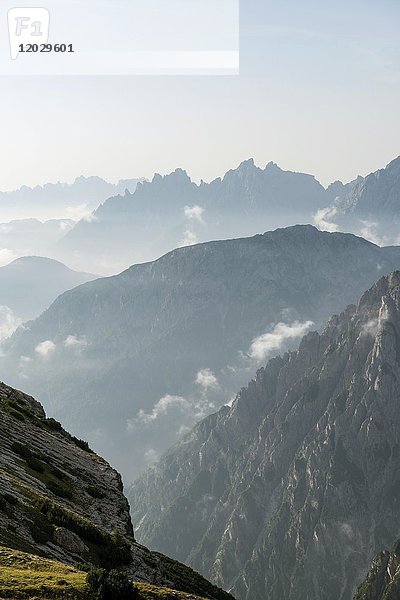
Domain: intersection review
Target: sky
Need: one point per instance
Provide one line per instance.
(318, 92)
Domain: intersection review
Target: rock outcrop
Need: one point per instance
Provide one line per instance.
(291, 491)
(60, 500)
(383, 579)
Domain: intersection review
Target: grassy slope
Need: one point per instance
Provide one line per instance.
(24, 576)
(27, 576)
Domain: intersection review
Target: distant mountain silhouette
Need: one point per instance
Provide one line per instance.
(29, 285)
(172, 211)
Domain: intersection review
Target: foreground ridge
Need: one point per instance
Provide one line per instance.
(59, 500)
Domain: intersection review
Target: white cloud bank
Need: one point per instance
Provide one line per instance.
(189, 412)
(369, 231)
(189, 238)
(45, 349)
(323, 219)
(206, 379)
(81, 212)
(194, 213)
(9, 322)
(6, 256)
(371, 327)
(161, 408)
(75, 342)
(262, 346)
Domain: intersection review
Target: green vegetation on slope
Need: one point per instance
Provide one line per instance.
(25, 576)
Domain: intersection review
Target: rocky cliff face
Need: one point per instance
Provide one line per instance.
(291, 491)
(60, 500)
(369, 206)
(383, 579)
(144, 355)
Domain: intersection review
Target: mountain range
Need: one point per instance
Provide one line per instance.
(34, 220)
(60, 200)
(131, 362)
(291, 491)
(99, 227)
(174, 211)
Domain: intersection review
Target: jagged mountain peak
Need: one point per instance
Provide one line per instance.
(392, 167)
(386, 290)
(247, 168)
(177, 175)
(246, 164)
(301, 471)
(272, 167)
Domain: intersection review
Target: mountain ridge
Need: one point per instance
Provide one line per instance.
(172, 339)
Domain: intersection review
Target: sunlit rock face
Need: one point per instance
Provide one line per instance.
(291, 491)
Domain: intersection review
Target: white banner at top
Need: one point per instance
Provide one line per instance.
(119, 37)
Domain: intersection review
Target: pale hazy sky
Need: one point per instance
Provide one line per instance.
(319, 92)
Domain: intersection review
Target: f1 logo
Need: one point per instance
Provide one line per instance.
(27, 25)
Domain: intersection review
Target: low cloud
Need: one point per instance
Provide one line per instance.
(194, 213)
(9, 322)
(45, 349)
(183, 430)
(186, 412)
(24, 362)
(75, 342)
(347, 530)
(81, 212)
(369, 231)
(151, 456)
(189, 239)
(6, 256)
(161, 408)
(206, 379)
(230, 402)
(323, 219)
(262, 346)
(66, 226)
(371, 327)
